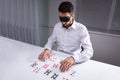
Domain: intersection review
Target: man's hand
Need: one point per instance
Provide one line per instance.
(66, 64)
(43, 54)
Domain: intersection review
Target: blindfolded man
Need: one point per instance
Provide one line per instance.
(72, 38)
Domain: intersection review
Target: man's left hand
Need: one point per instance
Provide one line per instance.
(66, 64)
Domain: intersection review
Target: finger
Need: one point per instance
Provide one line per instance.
(39, 57)
(68, 66)
(62, 66)
(62, 62)
(48, 55)
(65, 66)
(42, 57)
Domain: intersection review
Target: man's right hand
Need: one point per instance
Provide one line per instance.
(45, 53)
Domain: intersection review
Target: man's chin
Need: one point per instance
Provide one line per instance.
(65, 26)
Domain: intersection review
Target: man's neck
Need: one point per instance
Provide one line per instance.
(69, 24)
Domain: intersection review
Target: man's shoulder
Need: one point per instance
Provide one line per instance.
(58, 25)
(80, 25)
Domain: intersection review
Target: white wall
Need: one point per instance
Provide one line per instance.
(106, 47)
(24, 20)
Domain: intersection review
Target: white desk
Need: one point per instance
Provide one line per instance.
(16, 57)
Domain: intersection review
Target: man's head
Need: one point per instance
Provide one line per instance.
(66, 13)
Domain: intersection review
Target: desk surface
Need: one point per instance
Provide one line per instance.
(18, 59)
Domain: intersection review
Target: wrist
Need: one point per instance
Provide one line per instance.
(46, 49)
(73, 58)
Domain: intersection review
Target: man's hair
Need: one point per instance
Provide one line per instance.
(66, 7)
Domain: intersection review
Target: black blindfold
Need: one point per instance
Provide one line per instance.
(64, 19)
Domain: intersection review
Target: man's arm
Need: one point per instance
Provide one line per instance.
(51, 40)
(87, 52)
(78, 55)
(48, 46)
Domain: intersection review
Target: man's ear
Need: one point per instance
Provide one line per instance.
(73, 15)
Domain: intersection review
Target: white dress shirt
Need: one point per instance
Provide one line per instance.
(70, 41)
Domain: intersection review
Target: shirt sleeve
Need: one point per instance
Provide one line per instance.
(87, 52)
(51, 40)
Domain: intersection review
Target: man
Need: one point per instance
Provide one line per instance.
(72, 37)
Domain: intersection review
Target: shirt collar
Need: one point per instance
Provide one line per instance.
(73, 25)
